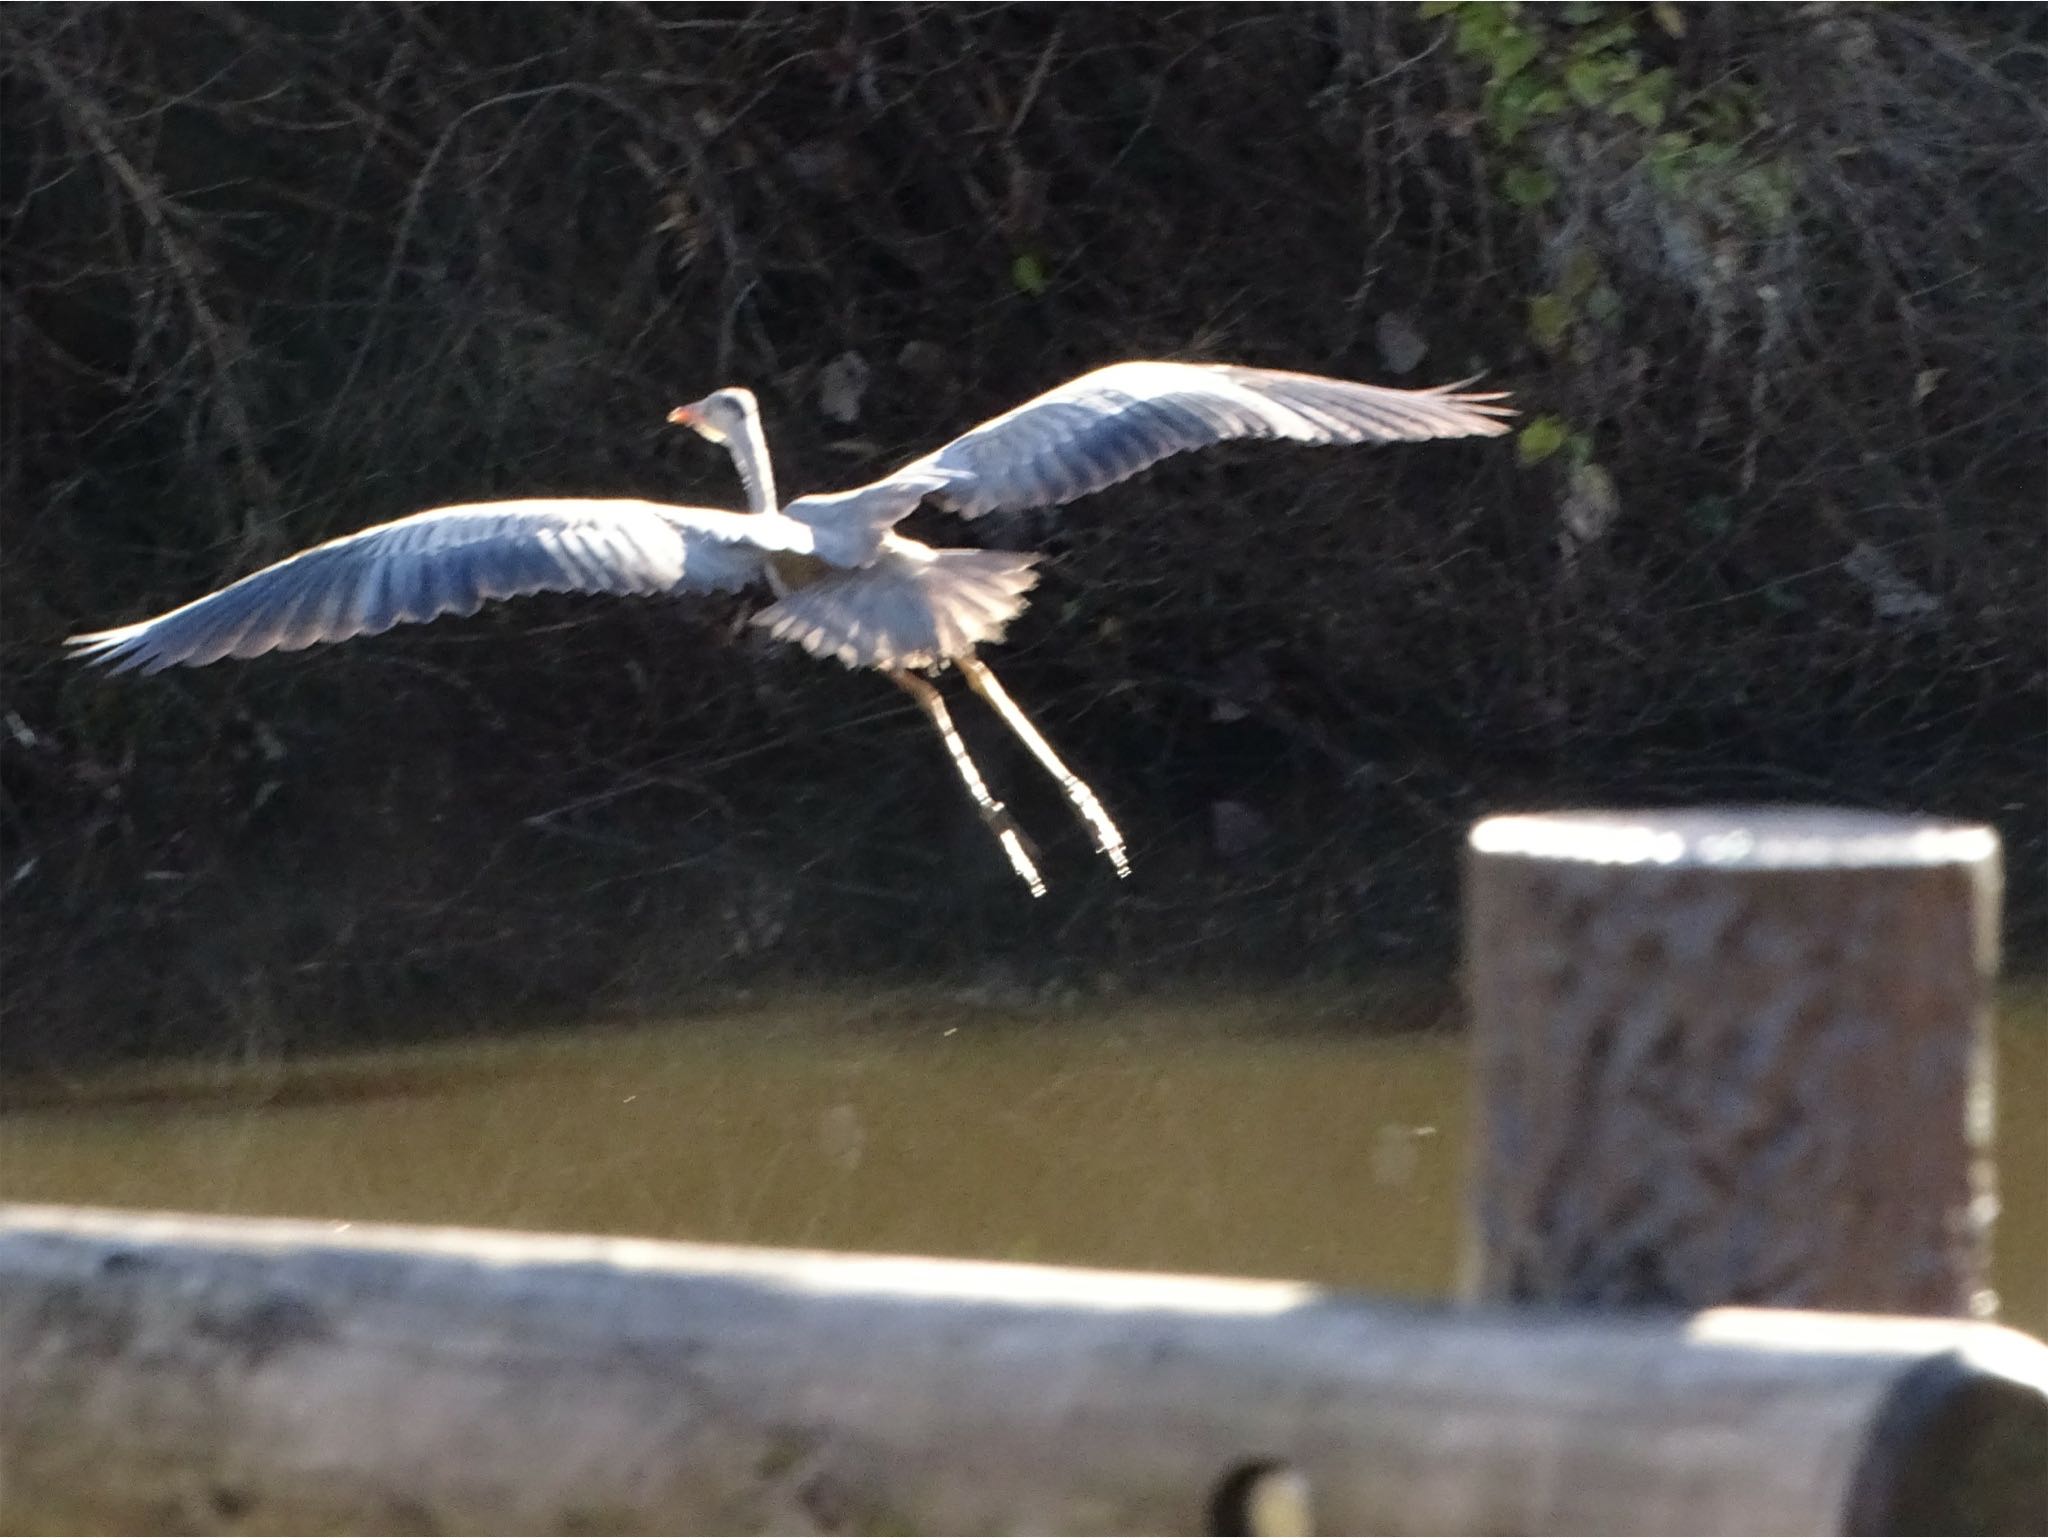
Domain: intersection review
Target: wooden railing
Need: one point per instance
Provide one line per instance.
(1723, 1059)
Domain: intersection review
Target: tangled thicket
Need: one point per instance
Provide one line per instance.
(1766, 282)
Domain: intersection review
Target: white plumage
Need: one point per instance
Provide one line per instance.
(846, 585)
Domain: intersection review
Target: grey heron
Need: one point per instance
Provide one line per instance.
(843, 582)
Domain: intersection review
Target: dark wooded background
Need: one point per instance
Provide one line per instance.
(1766, 281)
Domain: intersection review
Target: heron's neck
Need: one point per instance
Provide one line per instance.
(749, 450)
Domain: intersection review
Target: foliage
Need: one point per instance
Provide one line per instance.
(1765, 282)
(1560, 78)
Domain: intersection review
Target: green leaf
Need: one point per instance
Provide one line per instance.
(1642, 104)
(1550, 317)
(1672, 160)
(1527, 186)
(1512, 53)
(1027, 272)
(1616, 34)
(1518, 100)
(1582, 271)
(1670, 20)
(1588, 80)
(1541, 439)
(1604, 306)
(1480, 28)
(1765, 192)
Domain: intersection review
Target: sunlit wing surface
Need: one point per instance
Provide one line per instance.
(1106, 426)
(451, 560)
(848, 525)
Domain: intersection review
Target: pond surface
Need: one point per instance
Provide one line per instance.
(1263, 1136)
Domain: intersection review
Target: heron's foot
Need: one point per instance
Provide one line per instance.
(994, 815)
(1102, 828)
(1023, 854)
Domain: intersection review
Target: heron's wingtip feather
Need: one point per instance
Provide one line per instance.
(119, 650)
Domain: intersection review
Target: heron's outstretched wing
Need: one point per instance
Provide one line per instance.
(1105, 426)
(451, 560)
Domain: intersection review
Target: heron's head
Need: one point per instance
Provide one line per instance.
(720, 416)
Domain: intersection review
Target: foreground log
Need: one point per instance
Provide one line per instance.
(195, 1374)
(1733, 1057)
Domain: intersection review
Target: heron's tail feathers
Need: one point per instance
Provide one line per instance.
(913, 608)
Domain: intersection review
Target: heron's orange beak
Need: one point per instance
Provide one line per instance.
(685, 416)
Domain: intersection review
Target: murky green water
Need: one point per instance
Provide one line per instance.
(1271, 1136)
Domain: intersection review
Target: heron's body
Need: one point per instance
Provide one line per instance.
(845, 584)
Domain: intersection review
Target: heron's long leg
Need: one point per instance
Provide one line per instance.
(993, 812)
(1108, 841)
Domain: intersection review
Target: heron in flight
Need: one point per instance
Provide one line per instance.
(844, 583)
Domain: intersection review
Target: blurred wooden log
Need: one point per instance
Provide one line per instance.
(1732, 1057)
(234, 1375)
